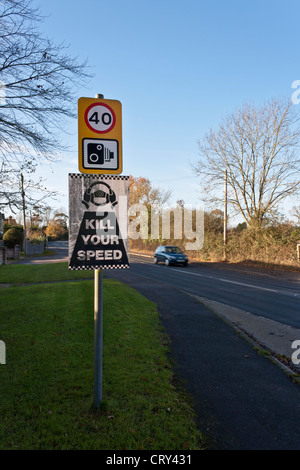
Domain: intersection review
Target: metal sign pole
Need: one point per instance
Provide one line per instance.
(98, 332)
(100, 159)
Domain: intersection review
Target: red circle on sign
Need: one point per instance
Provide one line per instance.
(112, 124)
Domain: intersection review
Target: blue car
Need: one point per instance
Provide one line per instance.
(170, 255)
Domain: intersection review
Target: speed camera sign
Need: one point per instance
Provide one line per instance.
(99, 136)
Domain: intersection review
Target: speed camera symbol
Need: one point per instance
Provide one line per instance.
(97, 154)
(100, 154)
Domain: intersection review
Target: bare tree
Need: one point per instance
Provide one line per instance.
(141, 191)
(37, 85)
(296, 214)
(20, 192)
(258, 150)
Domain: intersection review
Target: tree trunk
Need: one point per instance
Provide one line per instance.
(24, 213)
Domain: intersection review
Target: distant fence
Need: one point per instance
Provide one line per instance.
(9, 253)
(3, 255)
(13, 253)
(34, 249)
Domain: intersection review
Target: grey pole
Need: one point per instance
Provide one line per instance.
(98, 328)
(98, 335)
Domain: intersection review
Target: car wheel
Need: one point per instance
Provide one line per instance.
(155, 260)
(167, 262)
(185, 264)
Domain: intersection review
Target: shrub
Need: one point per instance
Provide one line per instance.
(7, 227)
(56, 231)
(13, 237)
(36, 236)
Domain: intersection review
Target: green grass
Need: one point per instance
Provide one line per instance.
(47, 382)
(19, 274)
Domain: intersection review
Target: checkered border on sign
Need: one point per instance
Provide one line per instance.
(84, 268)
(107, 177)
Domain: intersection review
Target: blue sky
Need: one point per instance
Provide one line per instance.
(178, 67)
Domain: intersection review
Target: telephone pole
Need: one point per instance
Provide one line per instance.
(225, 217)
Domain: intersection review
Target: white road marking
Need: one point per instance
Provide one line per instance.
(252, 286)
(277, 291)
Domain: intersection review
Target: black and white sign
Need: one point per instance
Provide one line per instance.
(99, 153)
(98, 221)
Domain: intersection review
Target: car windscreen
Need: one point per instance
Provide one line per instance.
(173, 249)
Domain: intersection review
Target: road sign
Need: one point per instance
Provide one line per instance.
(98, 221)
(99, 136)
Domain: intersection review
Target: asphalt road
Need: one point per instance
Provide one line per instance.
(242, 399)
(263, 304)
(276, 297)
(60, 250)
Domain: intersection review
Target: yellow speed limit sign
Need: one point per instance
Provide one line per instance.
(99, 136)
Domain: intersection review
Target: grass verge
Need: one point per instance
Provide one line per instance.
(26, 274)
(47, 381)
